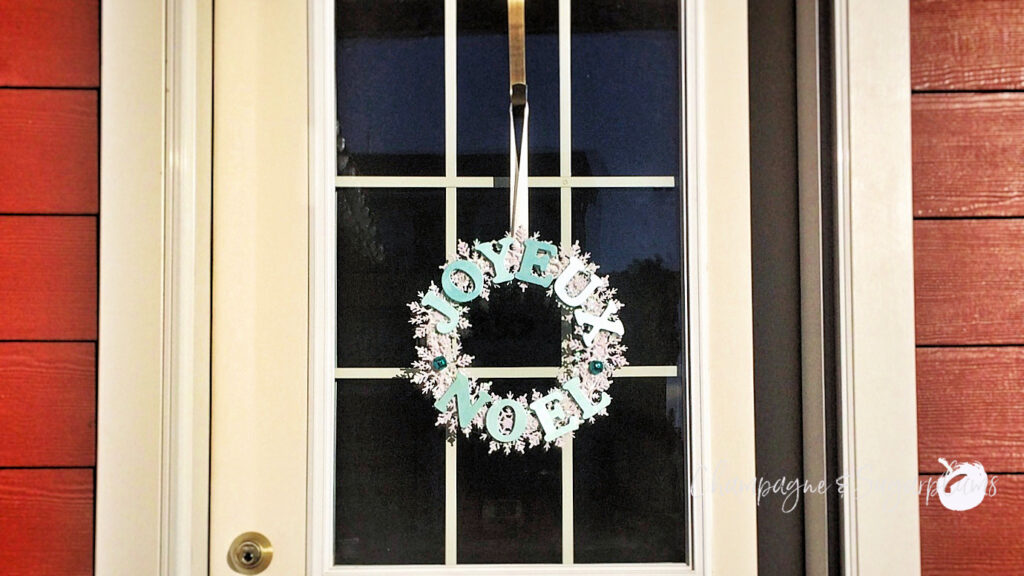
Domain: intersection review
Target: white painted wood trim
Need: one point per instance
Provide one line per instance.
(491, 182)
(724, 308)
(876, 294)
(153, 437)
(131, 346)
(187, 276)
(322, 289)
(451, 200)
(505, 372)
(517, 570)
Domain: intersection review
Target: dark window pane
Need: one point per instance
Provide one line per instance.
(390, 82)
(483, 89)
(629, 476)
(483, 214)
(510, 507)
(512, 327)
(389, 503)
(634, 236)
(625, 87)
(390, 247)
(545, 210)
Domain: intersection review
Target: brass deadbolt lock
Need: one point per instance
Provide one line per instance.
(250, 553)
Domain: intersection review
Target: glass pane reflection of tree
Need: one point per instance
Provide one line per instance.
(634, 234)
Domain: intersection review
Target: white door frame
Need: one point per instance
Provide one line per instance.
(152, 477)
(143, 358)
(129, 451)
(875, 268)
(874, 272)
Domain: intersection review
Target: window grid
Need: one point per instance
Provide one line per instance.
(452, 182)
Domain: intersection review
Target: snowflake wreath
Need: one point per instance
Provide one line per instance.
(590, 355)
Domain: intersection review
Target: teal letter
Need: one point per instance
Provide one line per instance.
(469, 269)
(501, 273)
(589, 408)
(548, 410)
(536, 256)
(463, 403)
(434, 300)
(494, 420)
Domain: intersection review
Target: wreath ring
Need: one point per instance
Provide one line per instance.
(591, 351)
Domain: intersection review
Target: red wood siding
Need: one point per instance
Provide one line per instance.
(47, 522)
(49, 203)
(967, 44)
(48, 412)
(49, 144)
(956, 384)
(968, 154)
(967, 74)
(983, 541)
(52, 43)
(969, 281)
(48, 277)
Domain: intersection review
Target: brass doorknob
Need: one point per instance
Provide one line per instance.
(250, 553)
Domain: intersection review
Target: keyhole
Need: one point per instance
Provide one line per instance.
(250, 553)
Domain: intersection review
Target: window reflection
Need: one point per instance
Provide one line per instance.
(390, 84)
(634, 234)
(625, 87)
(390, 244)
(510, 507)
(629, 476)
(389, 485)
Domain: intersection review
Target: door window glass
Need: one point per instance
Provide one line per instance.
(423, 161)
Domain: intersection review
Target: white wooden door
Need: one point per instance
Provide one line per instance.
(308, 353)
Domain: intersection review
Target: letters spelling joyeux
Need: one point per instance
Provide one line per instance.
(548, 409)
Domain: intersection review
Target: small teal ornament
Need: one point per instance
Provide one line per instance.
(596, 366)
(439, 363)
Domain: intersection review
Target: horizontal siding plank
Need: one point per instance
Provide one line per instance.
(969, 281)
(46, 520)
(49, 43)
(966, 45)
(47, 404)
(968, 154)
(970, 407)
(49, 142)
(986, 540)
(48, 278)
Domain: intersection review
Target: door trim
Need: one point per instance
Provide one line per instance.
(129, 443)
(187, 287)
(153, 386)
(875, 268)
